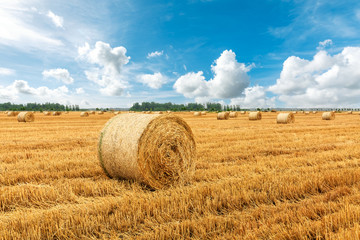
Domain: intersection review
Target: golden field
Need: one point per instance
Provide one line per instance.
(253, 180)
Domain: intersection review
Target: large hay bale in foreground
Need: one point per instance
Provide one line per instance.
(223, 116)
(255, 115)
(328, 116)
(157, 150)
(196, 113)
(25, 117)
(285, 118)
(84, 114)
(233, 115)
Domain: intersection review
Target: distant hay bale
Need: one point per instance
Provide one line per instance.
(46, 113)
(116, 113)
(328, 116)
(66, 112)
(92, 112)
(255, 115)
(25, 117)
(159, 112)
(273, 110)
(203, 113)
(6, 112)
(11, 114)
(148, 112)
(314, 112)
(196, 113)
(168, 111)
(223, 116)
(57, 113)
(233, 115)
(285, 118)
(84, 114)
(242, 112)
(100, 112)
(307, 112)
(157, 150)
(349, 112)
(294, 112)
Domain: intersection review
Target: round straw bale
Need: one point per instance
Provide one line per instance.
(11, 114)
(157, 150)
(203, 113)
(242, 112)
(349, 112)
(56, 113)
(116, 113)
(168, 111)
(294, 112)
(328, 116)
(100, 112)
(66, 112)
(223, 116)
(5, 112)
(314, 112)
(46, 113)
(84, 114)
(233, 115)
(92, 112)
(255, 115)
(196, 113)
(307, 112)
(285, 118)
(25, 117)
(159, 112)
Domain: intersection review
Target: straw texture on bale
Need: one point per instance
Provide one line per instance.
(11, 114)
(255, 115)
(233, 115)
(223, 116)
(196, 113)
(157, 150)
(25, 117)
(203, 113)
(84, 114)
(285, 118)
(46, 113)
(328, 116)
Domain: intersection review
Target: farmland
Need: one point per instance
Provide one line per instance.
(253, 180)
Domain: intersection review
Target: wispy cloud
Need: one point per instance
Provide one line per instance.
(155, 54)
(6, 71)
(57, 20)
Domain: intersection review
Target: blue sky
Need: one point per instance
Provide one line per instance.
(267, 53)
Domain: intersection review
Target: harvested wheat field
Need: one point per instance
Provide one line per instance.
(253, 180)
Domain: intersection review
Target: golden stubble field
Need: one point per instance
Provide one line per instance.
(254, 180)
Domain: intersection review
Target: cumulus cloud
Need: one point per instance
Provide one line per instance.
(324, 81)
(12, 91)
(57, 20)
(6, 71)
(80, 91)
(109, 62)
(254, 97)
(229, 81)
(324, 44)
(59, 74)
(155, 54)
(154, 81)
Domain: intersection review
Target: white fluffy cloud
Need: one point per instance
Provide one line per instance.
(57, 20)
(12, 91)
(154, 81)
(325, 43)
(110, 62)
(254, 97)
(229, 81)
(59, 74)
(6, 71)
(324, 81)
(155, 54)
(79, 91)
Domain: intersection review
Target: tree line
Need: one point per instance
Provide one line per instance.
(38, 107)
(153, 106)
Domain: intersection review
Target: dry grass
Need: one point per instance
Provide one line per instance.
(253, 180)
